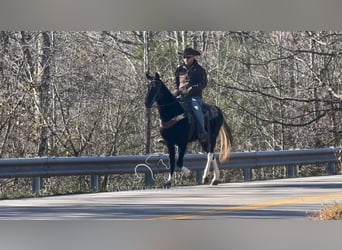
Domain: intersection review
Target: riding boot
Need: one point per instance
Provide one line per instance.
(202, 134)
(196, 108)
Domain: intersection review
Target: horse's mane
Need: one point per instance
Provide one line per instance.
(168, 105)
(168, 92)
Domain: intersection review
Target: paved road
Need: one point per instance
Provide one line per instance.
(297, 198)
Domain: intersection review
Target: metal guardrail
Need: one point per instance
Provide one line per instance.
(96, 166)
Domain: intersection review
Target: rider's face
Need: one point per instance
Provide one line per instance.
(188, 60)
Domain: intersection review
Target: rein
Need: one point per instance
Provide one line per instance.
(172, 122)
(168, 104)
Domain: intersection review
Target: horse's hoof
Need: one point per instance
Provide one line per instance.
(186, 171)
(167, 185)
(214, 182)
(205, 181)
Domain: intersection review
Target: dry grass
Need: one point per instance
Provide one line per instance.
(333, 212)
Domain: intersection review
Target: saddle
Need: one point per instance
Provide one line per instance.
(209, 111)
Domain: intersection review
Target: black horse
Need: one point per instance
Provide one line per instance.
(176, 129)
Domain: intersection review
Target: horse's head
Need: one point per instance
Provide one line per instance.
(154, 90)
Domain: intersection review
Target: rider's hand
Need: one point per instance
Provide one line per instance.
(176, 92)
(192, 89)
(185, 91)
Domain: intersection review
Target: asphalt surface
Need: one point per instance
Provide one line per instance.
(289, 199)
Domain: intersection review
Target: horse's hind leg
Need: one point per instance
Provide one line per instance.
(205, 179)
(216, 126)
(215, 180)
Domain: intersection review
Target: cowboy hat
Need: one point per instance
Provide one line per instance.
(190, 52)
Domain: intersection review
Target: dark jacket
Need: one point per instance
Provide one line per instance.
(194, 76)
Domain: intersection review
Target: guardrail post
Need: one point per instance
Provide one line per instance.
(332, 168)
(291, 171)
(199, 174)
(149, 179)
(94, 179)
(247, 174)
(36, 186)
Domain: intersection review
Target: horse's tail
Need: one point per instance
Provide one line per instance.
(226, 139)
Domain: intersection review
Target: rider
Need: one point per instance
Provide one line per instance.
(191, 79)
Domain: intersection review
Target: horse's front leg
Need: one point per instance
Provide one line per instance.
(180, 160)
(172, 158)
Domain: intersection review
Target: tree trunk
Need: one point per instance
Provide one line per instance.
(147, 41)
(44, 94)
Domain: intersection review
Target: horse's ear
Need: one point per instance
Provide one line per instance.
(148, 76)
(157, 76)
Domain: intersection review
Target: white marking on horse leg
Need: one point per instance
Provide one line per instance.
(207, 167)
(170, 179)
(216, 172)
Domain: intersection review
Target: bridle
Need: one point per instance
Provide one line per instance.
(156, 95)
